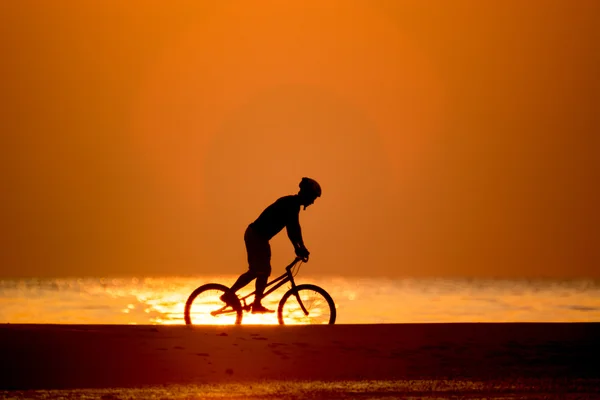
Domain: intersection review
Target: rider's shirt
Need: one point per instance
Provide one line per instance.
(283, 213)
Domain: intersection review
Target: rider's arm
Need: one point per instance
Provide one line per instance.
(295, 233)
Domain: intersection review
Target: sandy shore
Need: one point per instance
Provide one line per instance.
(108, 356)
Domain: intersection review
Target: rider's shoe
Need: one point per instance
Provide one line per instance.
(229, 298)
(260, 309)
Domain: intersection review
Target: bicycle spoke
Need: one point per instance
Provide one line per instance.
(208, 309)
(317, 307)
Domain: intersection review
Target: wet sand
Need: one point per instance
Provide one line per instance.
(552, 357)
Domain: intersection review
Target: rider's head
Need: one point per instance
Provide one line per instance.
(309, 191)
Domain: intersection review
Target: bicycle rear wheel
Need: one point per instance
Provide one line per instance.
(204, 307)
(317, 302)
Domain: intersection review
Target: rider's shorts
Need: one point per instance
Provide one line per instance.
(259, 252)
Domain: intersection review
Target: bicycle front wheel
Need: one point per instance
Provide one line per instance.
(204, 307)
(306, 304)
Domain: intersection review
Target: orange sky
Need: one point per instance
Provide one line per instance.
(450, 138)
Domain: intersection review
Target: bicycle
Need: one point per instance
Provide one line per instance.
(304, 303)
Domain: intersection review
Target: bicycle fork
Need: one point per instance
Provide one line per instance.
(297, 295)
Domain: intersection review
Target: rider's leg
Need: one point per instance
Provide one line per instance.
(261, 284)
(259, 262)
(229, 297)
(243, 280)
(255, 247)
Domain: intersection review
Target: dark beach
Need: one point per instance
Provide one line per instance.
(554, 358)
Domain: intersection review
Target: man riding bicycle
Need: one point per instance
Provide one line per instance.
(284, 212)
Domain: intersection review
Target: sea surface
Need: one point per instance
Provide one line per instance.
(160, 300)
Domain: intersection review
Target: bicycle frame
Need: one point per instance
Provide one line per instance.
(275, 284)
(272, 286)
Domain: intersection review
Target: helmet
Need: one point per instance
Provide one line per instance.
(311, 186)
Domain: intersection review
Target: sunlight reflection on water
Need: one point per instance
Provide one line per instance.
(151, 300)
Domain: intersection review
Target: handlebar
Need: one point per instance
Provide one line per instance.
(296, 261)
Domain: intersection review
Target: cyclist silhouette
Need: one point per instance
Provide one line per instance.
(284, 212)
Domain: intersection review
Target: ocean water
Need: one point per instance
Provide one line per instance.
(153, 300)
